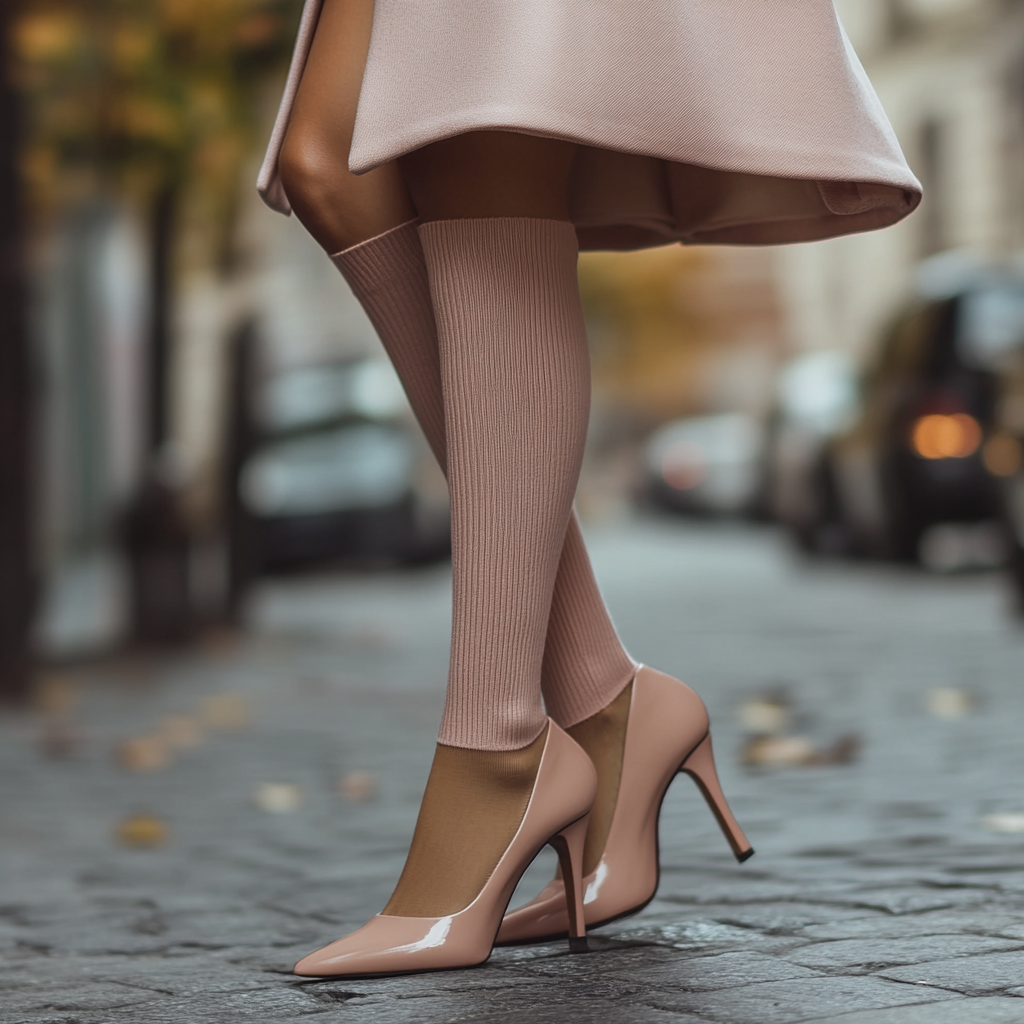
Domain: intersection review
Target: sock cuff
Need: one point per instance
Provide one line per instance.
(394, 253)
(499, 230)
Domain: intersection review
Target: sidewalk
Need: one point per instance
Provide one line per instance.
(889, 890)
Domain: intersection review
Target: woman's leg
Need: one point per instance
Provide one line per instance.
(585, 662)
(338, 208)
(585, 665)
(501, 257)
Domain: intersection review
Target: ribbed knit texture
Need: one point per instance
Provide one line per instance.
(388, 276)
(515, 374)
(585, 665)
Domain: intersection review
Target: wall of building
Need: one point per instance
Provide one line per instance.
(950, 74)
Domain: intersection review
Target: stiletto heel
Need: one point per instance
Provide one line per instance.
(568, 845)
(700, 766)
(667, 732)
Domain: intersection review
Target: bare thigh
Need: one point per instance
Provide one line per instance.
(491, 174)
(338, 208)
(477, 174)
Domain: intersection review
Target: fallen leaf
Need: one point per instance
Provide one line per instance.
(948, 702)
(843, 751)
(143, 754)
(777, 751)
(790, 751)
(180, 731)
(277, 797)
(358, 786)
(763, 717)
(142, 830)
(56, 696)
(224, 711)
(1005, 821)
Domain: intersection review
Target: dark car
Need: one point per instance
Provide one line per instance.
(919, 450)
(1005, 457)
(341, 474)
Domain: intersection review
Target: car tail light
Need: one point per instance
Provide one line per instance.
(945, 436)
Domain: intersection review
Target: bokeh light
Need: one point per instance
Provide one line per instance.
(939, 436)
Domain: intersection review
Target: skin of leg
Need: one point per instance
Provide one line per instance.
(338, 208)
(491, 174)
(603, 737)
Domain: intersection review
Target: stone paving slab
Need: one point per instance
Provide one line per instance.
(953, 1011)
(877, 896)
(784, 1001)
(869, 954)
(971, 975)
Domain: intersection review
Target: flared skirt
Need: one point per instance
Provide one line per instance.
(701, 121)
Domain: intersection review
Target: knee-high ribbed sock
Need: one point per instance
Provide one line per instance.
(515, 374)
(585, 665)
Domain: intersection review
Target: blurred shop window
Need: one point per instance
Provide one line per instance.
(898, 21)
(931, 168)
(992, 326)
(926, 10)
(818, 391)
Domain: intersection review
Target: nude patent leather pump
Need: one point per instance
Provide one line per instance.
(667, 732)
(557, 813)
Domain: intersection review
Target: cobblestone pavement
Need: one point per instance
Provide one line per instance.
(879, 894)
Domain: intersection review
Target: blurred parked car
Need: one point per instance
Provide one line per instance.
(817, 398)
(341, 472)
(706, 464)
(922, 446)
(1006, 459)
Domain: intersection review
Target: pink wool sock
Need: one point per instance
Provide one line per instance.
(585, 665)
(515, 374)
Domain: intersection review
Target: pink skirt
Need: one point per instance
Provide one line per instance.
(732, 121)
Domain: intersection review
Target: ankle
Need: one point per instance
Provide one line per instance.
(472, 807)
(603, 737)
(606, 726)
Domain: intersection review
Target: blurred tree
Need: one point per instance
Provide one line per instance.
(661, 321)
(16, 483)
(155, 100)
(646, 332)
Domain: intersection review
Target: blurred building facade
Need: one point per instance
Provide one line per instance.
(950, 74)
(93, 298)
(675, 332)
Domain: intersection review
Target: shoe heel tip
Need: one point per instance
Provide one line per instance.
(579, 945)
(745, 855)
